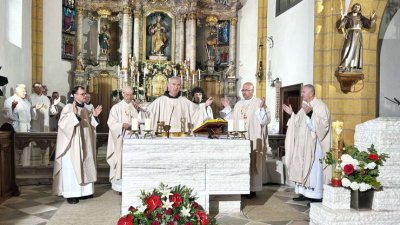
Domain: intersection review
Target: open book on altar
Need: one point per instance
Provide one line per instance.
(210, 125)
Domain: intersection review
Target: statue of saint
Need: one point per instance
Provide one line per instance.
(159, 38)
(211, 45)
(352, 24)
(104, 39)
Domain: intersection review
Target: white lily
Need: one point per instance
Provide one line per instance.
(185, 211)
(167, 204)
(166, 192)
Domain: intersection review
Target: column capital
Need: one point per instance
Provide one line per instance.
(137, 13)
(80, 9)
(181, 17)
(192, 16)
(234, 21)
(126, 10)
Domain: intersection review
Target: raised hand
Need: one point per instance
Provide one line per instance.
(14, 104)
(57, 100)
(209, 101)
(225, 102)
(38, 106)
(97, 110)
(262, 103)
(307, 107)
(136, 105)
(287, 109)
(74, 108)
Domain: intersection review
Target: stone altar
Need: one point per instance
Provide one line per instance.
(384, 133)
(209, 166)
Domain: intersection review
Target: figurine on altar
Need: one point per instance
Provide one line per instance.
(159, 38)
(104, 39)
(229, 72)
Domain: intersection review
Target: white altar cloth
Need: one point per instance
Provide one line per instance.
(209, 166)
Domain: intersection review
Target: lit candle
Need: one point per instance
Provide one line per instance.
(187, 74)
(199, 74)
(137, 79)
(175, 72)
(181, 77)
(241, 125)
(230, 125)
(135, 124)
(147, 124)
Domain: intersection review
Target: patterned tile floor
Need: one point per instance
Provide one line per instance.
(36, 205)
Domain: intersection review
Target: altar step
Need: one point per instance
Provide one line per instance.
(43, 175)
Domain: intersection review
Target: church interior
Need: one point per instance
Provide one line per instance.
(220, 46)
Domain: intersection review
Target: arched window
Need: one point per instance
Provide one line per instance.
(14, 22)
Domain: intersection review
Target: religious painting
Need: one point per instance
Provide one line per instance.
(223, 33)
(68, 21)
(68, 47)
(159, 36)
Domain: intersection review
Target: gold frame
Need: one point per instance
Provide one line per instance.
(144, 33)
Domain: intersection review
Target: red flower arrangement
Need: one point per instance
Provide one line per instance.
(165, 205)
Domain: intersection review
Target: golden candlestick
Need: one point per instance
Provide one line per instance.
(337, 146)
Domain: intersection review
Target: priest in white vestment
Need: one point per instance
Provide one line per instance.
(75, 158)
(200, 98)
(256, 117)
(308, 138)
(88, 103)
(41, 122)
(119, 123)
(19, 112)
(172, 109)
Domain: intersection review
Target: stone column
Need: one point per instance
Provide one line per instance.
(125, 39)
(232, 41)
(181, 39)
(130, 34)
(191, 54)
(79, 78)
(187, 40)
(136, 19)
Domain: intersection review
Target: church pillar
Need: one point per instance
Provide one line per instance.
(130, 34)
(125, 39)
(79, 78)
(181, 39)
(79, 30)
(126, 14)
(232, 41)
(191, 41)
(136, 15)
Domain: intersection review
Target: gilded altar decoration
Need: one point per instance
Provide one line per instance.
(159, 84)
(158, 36)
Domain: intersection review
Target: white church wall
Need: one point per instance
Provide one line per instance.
(16, 52)
(55, 70)
(15, 45)
(389, 69)
(291, 57)
(247, 44)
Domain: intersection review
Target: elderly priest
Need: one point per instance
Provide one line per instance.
(173, 109)
(121, 119)
(251, 115)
